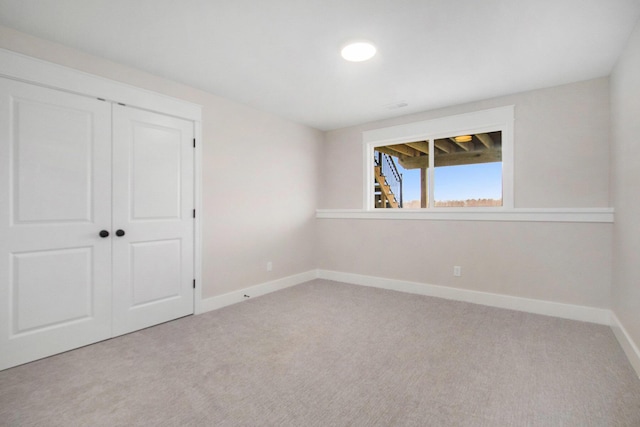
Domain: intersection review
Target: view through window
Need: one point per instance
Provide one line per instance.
(464, 171)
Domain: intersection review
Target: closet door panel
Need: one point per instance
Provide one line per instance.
(55, 181)
(156, 170)
(153, 202)
(51, 162)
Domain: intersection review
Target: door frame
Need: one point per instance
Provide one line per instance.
(27, 69)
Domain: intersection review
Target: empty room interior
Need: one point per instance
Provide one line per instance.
(313, 213)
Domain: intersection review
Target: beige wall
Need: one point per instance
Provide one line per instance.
(567, 263)
(561, 148)
(561, 160)
(625, 103)
(260, 176)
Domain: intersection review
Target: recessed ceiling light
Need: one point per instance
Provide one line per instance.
(358, 52)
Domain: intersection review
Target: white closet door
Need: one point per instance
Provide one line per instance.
(153, 267)
(55, 269)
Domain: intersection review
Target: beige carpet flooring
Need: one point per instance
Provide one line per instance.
(330, 354)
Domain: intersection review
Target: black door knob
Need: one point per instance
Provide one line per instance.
(104, 233)
(120, 233)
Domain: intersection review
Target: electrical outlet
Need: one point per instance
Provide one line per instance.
(457, 271)
(269, 266)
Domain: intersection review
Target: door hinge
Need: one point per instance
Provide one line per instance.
(194, 143)
(194, 213)
(194, 283)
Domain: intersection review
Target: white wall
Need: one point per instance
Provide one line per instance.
(561, 148)
(561, 160)
(262, 176)
(625, 105)
(567, 263)
(259, 180)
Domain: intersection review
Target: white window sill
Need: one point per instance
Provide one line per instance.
(604, 215)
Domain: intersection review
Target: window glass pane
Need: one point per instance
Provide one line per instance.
(387, 189)
(411, 191)
(468, 171)
(400, 175)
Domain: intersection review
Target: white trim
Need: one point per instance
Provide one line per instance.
(603, 215)
(548, 308)
(198, 243)
(368, 199)
(630, 348)
(494, 119)
(440, 127)
(43, 73)
(235, 297)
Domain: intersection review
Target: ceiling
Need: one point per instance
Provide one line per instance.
(283, 56)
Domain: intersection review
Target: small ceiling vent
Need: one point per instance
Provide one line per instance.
(396, 105)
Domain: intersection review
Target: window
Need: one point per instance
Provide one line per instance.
(471, 165)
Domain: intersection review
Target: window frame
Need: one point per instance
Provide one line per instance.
(495, 119)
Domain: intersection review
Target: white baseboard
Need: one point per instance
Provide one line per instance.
(230, 298)
(627, 344)
(548, 308)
